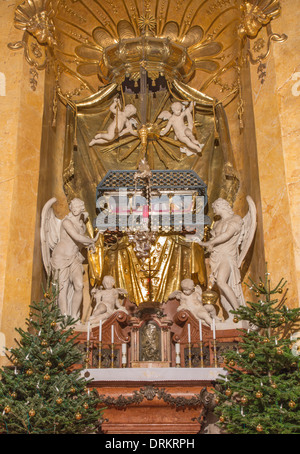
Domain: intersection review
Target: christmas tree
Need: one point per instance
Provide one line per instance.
(261, 391)
(41, 392)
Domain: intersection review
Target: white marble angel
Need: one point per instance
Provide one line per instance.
(230, 242)
(183, 132)
(107, 299)
(60, 242)
(121, 124)
(190, 298)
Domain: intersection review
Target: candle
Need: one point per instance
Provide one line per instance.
(189, 333)
(200, 330)
(100, 331)
(124, 356)
(88, 332)
(112, 334)
(214, 328)
(177, 348)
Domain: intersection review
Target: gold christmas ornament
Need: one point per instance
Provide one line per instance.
(7, 409)
(266, 340)
(73, 390)
(44, 343)
(280, 290)
(228, 392)
(257, 294)
(44, 352)
(235, 320)
(217, 400)
(29, 372)
(259, 394)
(273, 385)
(15, 361)
(281, 319)
(47, 377)
(221, 419)
(13, 394)
(86, 405)
(258, 314)
(61, 365)
(78, 416)
(231, 363)
(48, 364)
(244, 400)
(59, 400)
(53, 324)
(259, 428)
(251, 355)
(31, 412)
(292, 404)
(261, 285)
(279, 351)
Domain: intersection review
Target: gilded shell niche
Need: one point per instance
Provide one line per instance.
(94, 41)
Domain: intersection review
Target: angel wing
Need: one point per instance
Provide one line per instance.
(50, 232)
(248, 230)
(198, 290)
(176, 294)
(165, 115)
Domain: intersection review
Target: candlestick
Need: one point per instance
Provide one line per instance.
(190, 354)
(200, 330)
(112, 356)
(87, 357)
(112, 346)
(201, 354)
(177, 355)
(215, 353)
(100, 355)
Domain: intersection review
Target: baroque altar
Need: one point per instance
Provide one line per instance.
(148, 259)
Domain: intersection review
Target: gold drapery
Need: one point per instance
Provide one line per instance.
(171, 260)
(85, 166)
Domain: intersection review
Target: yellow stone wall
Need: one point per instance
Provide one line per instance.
(21, 111)
(276, 111)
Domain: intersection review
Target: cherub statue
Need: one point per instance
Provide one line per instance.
(190, 298)
(107, 299)
(121, 124)
(60, 242)
(183, 132)
(231, 239)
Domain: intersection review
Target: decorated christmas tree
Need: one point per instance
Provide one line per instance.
(261, 391)
(42, 392)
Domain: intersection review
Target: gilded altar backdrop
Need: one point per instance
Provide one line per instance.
(269, 174)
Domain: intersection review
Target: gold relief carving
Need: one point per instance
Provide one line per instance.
(36, 17)
(256, 14)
